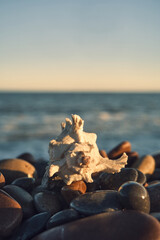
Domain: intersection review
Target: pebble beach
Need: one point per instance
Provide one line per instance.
(124, 205)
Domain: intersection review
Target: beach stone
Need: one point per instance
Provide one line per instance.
(38, 189)
(10, 214)
(75, 189)
(55, 183)
(155, 175)
(23, 198)
(25, 183)
(154, 194)
(28, 157)
(40, 166)
(124, 146)
(32, 226)
(132, 158)
(141, 177)
(145, 164)
(64, 216)
(114, 181)
(156, 157)
(2, 180)
(152, 182)
(134, 196)
(47, 202)
(156, 215)
(103, 153)
(120, 225)
(16, 168)
(97, 202)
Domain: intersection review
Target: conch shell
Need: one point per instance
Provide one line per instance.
(74, 155)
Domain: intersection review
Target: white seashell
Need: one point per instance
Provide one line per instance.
(74, 155)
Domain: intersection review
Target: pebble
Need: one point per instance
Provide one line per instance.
(10, 214)
(155, 175)
(145, 164)
(2, 180)
(114, 181)
(124, 146)
(47, 202)
(141, 177)
(154, 194)
(97, 202)
(120, 225)
(134, 196)
(23, 198)
(132, 158)
(32, 226)
(69, 192)
(40, 166)
(156, 157)
(25, 183)
(16, 168)
(64, 216)
(28, 157)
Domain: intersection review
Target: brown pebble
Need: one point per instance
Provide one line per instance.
(145, 164)
(16, 168)
(132, 225)
(103, 153)
(120, 149)
(23, 198)
(10, 214)
(69, 192)
(2, 180)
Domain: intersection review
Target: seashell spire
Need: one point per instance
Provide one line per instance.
(74, 154)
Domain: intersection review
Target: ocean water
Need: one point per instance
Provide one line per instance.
(28, 121)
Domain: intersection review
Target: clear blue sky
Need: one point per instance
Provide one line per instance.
(108, 45)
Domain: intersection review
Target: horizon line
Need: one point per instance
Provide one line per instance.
(80, 91)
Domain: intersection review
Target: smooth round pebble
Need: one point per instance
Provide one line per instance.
(40, 166)
(97, 202)
(155, 175)
(32, 226)
(64, 216)
(10, 214)
(132, 158)
(23, 198)
(146, 164)
(47, 202)
(156, 157)
(25, 183)
(2, 180)
(28, 157)
(124, 146)
(120, 225)
(134, 196)
(16, 168)
(75, 189)
(154, 194)
(114, 181)
(141, 177)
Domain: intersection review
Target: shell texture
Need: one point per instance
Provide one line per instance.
(74, 155)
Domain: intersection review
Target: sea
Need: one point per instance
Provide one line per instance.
(29, 120)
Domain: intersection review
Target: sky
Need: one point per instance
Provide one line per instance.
(80, 45)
